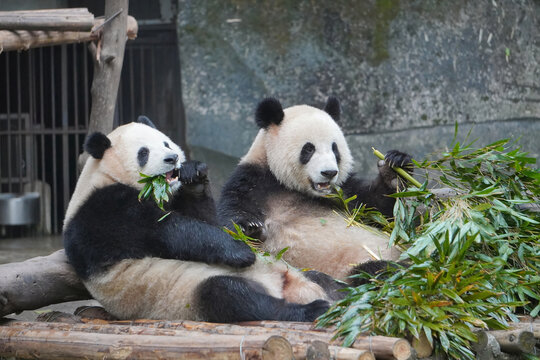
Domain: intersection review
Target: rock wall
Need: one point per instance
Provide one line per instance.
(405, 71)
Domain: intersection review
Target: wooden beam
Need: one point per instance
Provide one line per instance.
(24, 40)
(39, 282)
(76, 19)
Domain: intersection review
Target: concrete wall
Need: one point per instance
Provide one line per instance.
(405, 71)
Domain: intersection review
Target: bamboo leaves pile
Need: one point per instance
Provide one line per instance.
(474, 256)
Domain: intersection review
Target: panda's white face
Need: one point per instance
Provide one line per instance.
(307, 151)
(138, 148)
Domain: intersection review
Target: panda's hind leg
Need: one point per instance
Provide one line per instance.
(233, 299)
(373, 268)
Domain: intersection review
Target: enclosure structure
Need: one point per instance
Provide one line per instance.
(45, 103)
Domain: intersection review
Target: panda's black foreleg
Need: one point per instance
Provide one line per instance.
(233, 299)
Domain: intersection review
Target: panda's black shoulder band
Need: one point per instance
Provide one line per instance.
(146, 121)
(333, 108)
(96, 144)
(269, 111)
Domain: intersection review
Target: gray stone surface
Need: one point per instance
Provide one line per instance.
(405, 71)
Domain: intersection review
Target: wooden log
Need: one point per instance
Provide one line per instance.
(486, 347)
(533, 327)
(24, 40)
(341, 353)
(277, 348)
(382, 346)
(386, 347)
(75, 19)
(317, 350)
(108, 60)
(300, 339)
(421, 346)
(38, 282)
(27, 343)
(515, 341)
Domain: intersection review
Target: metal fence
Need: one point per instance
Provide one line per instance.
(44, 114)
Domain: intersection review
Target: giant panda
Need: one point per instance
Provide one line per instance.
(184, 266)
(277, 193)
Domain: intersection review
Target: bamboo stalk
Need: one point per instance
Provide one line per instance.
(76, 19)
(399, 170)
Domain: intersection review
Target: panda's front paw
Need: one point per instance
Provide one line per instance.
(241, 257)
(394, 158)
(252, 227)
(193, 175)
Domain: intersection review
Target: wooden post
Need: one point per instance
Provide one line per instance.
(108, 59)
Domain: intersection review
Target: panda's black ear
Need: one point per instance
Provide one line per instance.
(269, 111)
(96, 144)
(333, 108)
(146, 121)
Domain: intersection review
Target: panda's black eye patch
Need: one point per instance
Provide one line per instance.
(307, 152)
(336, 152)
(166, 145)
(142, 156)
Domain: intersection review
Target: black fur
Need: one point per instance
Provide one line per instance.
(331, 285)
(374, 268)
(333, 108)
(96, 144)
(146, 121)
(142, 156)
(307, 152)
(113, 225)
(245, 195)
(336, 152)
(269, 111)
(246, 300)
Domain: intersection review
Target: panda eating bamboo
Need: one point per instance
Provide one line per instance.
(277, 192)
(185, 266)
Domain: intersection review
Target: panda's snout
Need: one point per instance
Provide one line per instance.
(329, 174)
(171, 159)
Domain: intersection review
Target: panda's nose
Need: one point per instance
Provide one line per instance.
(171, 159)
(329, 174)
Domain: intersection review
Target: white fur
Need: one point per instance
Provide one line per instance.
(119, 163)
(283, 144)
(320, 239)
(317, 238)
(155, 288)
(158, 288)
